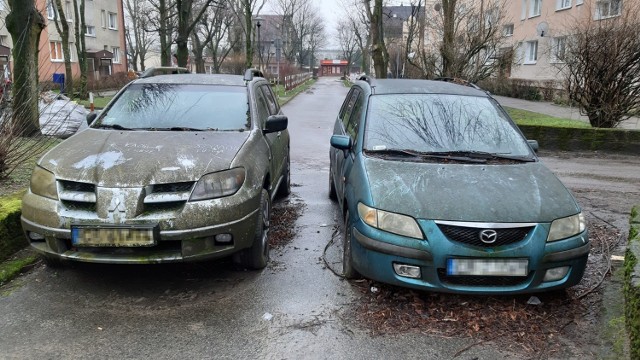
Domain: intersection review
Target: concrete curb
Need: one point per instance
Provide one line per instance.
(574, 139)
(632, 284)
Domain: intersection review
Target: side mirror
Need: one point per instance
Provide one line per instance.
(534, 145)
(91, 116)
(341, 142)
(276, 123)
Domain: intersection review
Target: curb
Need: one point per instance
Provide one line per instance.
(631, 288)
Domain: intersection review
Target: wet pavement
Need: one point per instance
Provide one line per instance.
(296, 308)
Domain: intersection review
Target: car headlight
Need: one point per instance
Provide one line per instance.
(567, 227)
(218, 184)
(395, 223)
(43, 183)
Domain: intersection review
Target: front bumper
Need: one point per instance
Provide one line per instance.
(176, 241)
(374, 252)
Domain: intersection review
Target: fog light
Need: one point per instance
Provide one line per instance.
(556, 273)
(224, 238)
(409, 271)
(36, 236)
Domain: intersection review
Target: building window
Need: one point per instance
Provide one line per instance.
(523, 15)
(507, 30)
(608, 8)
(103, 18)
(68, 11)
(3, 40)
(531, 52)
(563, 4)
(536, 8)
(90, 30)
(579, 2)
(558, 48)
(51, 12)
(116, 54)
(113, 21)
(56, 51)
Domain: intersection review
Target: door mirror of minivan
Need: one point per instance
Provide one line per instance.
(341, 142)
(534, 145)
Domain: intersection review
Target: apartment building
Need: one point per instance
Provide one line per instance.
(104, 35)
(537, 31)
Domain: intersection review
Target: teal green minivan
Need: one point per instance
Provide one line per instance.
(441, 191)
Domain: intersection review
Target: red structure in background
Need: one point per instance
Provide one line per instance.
(333, 67)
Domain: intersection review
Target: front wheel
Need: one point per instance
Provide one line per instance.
(333, 195)
(257, 256)
(285, 186)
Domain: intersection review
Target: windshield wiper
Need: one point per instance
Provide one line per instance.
(483, 155)
(184, 128)
(427, 155)
(112, 126)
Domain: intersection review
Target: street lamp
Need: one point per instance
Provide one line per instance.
(258, 21)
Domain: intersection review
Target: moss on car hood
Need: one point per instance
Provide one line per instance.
(527, 192)
(135, 158)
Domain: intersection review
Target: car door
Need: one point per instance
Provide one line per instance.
(343, 160)
(265, 108)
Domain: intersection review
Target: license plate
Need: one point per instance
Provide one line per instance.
(105, 236)
(488, 267)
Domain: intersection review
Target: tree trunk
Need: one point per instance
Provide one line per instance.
(248, 22)
(448, 45)
(165, 34)
(81, 47)
(63, 29)
(25, 23)
(379, 49)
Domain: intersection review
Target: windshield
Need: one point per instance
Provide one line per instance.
(178, 106)
(440, 123)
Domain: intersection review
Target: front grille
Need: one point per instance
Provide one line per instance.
(468, 280)
(471, 236)
(77, 186)
(175, 187)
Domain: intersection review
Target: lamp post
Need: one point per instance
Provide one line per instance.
(259, 20)
(278, 44)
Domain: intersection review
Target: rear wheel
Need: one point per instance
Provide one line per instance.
(257, 256)
(285, 186)
(348, 270)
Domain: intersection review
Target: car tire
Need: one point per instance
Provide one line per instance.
(332, 188)
(285, 186)
(257, 256)
(348, 271)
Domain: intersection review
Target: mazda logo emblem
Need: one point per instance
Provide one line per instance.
(488, 236)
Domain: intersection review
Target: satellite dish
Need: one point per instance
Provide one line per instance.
(437, 6)
(542, 29)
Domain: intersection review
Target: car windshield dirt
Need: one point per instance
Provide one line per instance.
(440, 123)
(178, 107)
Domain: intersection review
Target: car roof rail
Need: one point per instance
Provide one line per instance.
(458, 81)
(251, 73)
(366, 78)
(163, 70)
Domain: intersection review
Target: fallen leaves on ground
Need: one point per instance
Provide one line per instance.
(284, 214)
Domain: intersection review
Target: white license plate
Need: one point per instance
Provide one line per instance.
(113, 236)
(488, 267)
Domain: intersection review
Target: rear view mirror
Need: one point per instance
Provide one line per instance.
(91, 116)
(534, 145)
(276, 123)
(341, 142)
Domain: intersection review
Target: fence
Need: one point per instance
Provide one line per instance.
(292, 81)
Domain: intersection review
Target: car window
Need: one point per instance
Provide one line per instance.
(354, 119)
(349, 107)
(166, 106)
(439, 122)
(271, 100)
(262, 108)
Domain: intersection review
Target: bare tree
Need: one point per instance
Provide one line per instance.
(162, 20)
(348, 42)
(602, 64)
(25, 23)
(222, 42)
(379, 51)
(244, 11)
(189, 14)
(81, 47)
(62, 26)
(317, 36)
(139, 41)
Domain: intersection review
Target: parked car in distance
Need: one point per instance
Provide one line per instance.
(176, 168)
(440, 191)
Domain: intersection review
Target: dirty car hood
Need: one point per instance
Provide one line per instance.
(527, 192)
(137, 158)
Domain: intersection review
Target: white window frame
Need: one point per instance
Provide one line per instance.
(536, 8)
(507, 30)
(558, 45)
(115, 50)
(608, 3)
(523, 14)
(579, 2)
(51, 11)
(89, 33)
(57, 55)
(531, 52)
(103, 19)
(563, 4)
(114, 25)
